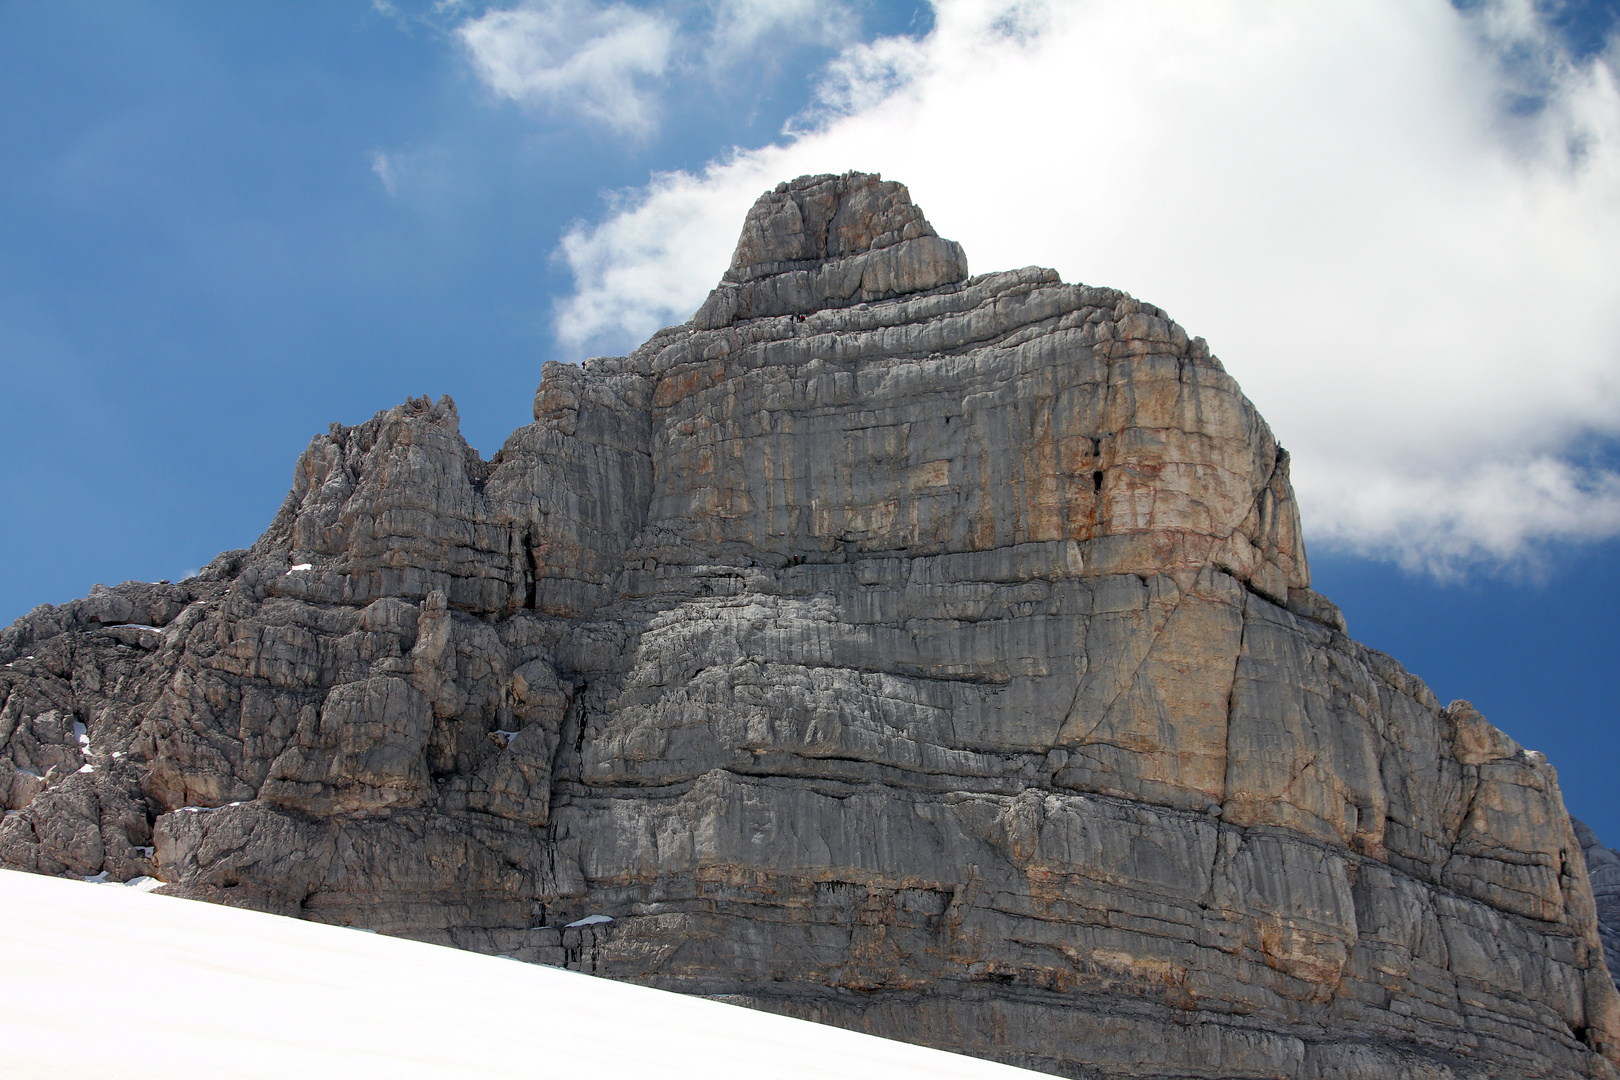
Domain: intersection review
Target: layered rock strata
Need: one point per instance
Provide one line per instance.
(927, 654)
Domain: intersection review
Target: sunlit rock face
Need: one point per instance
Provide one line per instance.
(927, 654)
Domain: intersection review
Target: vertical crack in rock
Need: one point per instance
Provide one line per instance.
(928, 654)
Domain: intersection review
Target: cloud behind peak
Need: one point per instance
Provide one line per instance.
(1411, 264)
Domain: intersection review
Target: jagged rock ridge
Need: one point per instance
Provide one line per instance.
(928, 654)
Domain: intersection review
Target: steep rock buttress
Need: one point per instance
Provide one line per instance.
(928, 654)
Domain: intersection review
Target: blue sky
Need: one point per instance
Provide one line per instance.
(228, 225)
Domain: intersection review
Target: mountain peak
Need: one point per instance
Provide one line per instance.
(830, 241)
(946, 668)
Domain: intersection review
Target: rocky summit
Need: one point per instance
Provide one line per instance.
(925, 654)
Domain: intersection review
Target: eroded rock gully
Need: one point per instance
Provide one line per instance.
(929, 654)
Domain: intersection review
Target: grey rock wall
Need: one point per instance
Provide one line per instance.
(1603, 868)
(930, 655)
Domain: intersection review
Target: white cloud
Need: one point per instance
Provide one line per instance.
(658, 253)
(1418, 284)
(603, 61)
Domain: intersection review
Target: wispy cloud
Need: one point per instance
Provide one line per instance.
(739, 27)
(384, 168)
(615, 63)
(604, 61)
(1398, 223)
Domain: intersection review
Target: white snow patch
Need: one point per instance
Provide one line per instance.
(592, 920)
(147, 852)
(99, 879)
(308, 999)
(144, 883)
(300, 566)
(87, 767)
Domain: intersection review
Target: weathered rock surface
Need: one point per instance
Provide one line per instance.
(926, 654)
(1603, 867)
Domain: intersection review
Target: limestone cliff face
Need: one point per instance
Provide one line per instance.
(1603, 867)
(926, 654)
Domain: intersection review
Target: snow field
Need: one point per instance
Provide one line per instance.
(107, 981)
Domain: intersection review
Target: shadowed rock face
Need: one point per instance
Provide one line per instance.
(925, 654)
(1603, 867)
